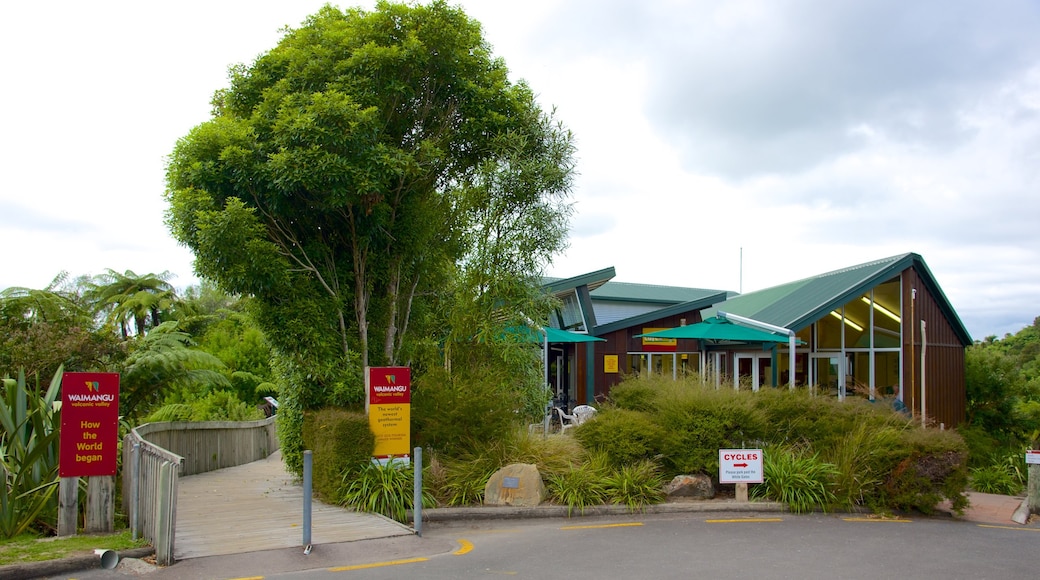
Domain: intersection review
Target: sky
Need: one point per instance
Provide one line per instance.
(731, 145)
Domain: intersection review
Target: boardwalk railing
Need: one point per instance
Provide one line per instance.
(156, 454)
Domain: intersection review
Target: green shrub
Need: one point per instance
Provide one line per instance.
(457, 413)
(215, 406)
(636, 485)
(340, 442)
(700, 421)
(386, 489)
(623, 436)
(933, 467)
(797, 478)
(28, 455)
(634, 395)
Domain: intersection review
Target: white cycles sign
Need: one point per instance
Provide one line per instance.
(740, 466)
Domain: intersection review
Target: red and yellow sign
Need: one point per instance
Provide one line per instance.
(388, 400)
(654, 344)
(89, 439)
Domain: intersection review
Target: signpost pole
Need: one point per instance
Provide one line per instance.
(1033, 486)
(68, 505)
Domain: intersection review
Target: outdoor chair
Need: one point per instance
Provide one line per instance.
(566, 421)
(582, 413)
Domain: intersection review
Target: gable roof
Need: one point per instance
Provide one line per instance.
(798, 304)
(649, 293)
(680, 308)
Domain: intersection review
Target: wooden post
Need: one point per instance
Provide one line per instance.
(742, 492)
(1034, 489)
(100, 504)
(68, 505)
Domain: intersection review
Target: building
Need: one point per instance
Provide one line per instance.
(883, 330)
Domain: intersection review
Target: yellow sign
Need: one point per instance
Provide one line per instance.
(390, 424)
(654, 344)
(610, 363)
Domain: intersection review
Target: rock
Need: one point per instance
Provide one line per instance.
(518, 484)
(697, 486)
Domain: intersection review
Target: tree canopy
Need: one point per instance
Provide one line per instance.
(353, 175)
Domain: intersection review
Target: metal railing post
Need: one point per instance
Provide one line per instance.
(307, 467)
(135, 489)
(417, 492)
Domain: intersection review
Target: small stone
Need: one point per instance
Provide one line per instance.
(697, 486)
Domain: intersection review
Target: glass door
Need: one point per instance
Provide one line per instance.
(828, 375)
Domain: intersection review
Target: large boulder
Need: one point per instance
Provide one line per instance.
(697, 486)
(519, 484)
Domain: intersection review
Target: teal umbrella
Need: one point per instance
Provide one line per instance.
(719, 330)
(553, 335)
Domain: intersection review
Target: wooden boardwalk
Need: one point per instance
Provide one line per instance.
(258, 506)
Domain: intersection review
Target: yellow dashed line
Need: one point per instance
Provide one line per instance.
(631, 525)
(744, 521)
(377, 565)
(249, 578)
(894, 520)
(464, 547)
(1010, 528)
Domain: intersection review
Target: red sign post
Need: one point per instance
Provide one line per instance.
(89, 440)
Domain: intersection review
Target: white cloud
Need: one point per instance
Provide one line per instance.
(721, 144)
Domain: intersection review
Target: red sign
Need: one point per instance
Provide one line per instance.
(389, 385)
(89, 440)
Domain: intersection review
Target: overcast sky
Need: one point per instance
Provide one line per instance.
(731, 145)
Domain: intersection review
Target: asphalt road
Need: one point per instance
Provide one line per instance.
(711, 545)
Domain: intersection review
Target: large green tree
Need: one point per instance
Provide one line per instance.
(335, 182)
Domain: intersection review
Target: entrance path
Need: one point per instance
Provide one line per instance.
(258, 506)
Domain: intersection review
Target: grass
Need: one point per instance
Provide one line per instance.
(28, 548)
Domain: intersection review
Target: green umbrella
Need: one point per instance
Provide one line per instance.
(716, 329)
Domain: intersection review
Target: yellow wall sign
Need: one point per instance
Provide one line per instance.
(610, 363)
(388, 400)
(654, 344)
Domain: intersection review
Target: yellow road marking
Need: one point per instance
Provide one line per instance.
(744, 521)
(377, 565)
(895, 520)
(249, 578)
(464, 547)
(631, 525)
(1010, 528)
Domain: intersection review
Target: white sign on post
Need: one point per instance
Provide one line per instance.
(1033, 457)
(740, 466)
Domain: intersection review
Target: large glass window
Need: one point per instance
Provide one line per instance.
(571, 313)
(828, 331)
(887, 314)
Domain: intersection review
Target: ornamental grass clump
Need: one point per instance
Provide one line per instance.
(797, 478)
(636, 486)
(581, 487)
(385, 489)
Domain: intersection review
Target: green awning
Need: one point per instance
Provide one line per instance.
(555, 335)
(720, 330)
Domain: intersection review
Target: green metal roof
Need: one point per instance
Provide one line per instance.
(798, 304)
(593, 280)
(691, 306)
(649, 293)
